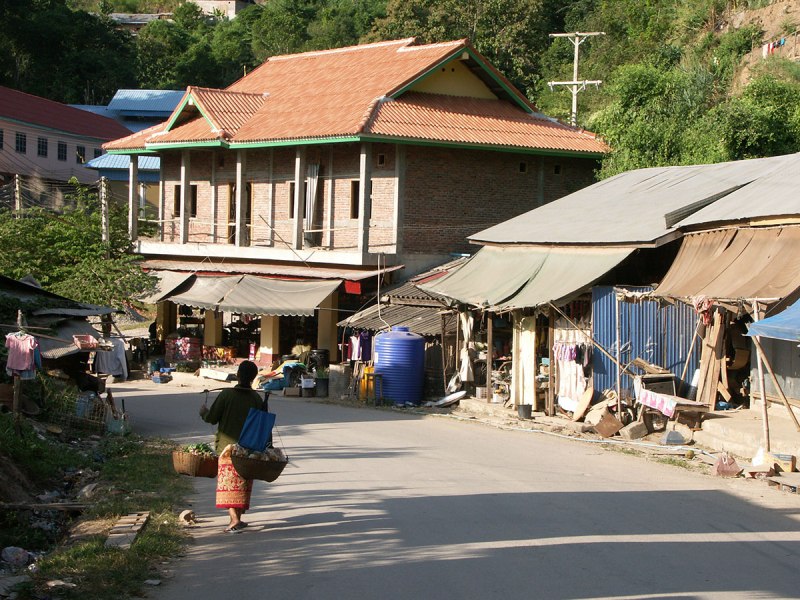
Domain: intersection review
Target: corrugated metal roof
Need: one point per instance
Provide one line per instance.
(122, 162)
(630, 208)
(345, 92)
(774, 193)
(146, 102)
(420, 320)
(34, 110)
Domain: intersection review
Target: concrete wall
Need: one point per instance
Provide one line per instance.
(49, 167)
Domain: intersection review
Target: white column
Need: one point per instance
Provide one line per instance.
(133, 199)
(214, 197)
(186, 196)
(330, 196)
(240, 191)
(364, 197)
(299, 197)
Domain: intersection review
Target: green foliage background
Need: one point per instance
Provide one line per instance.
(669, 66)
(64, 251)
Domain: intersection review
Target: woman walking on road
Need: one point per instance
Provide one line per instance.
(229, 411)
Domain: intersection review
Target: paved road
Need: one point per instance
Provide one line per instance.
(377, 504)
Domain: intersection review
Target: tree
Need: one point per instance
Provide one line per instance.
(66, 254)
(512, 34)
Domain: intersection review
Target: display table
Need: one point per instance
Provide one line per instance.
(183, 349)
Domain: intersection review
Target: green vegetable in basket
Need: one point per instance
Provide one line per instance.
(201, 449)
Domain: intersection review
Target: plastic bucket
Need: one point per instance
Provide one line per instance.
(524, 411)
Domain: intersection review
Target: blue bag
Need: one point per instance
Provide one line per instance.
(256, 434)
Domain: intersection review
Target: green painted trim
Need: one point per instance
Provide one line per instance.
(196, 104)
(480, 62)
(468, 146)
(187, 145)
(126, 152)
(295, 142)
(176, 113)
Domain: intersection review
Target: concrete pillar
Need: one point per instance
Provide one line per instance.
(326, 325)
(186, 196)
(166, 319)
(364, 197)
(133, 198)
(241, 234)
(299, 197)
(269, 350)
(212, 328)
(399, 197)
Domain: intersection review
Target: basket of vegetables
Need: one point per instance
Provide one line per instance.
(196, 460)
(265, 466)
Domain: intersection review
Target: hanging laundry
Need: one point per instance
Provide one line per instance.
(21, 347)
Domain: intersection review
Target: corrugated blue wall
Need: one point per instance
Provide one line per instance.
(658, 335)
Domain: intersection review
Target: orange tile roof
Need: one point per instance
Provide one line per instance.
(476, 121)
(347, 92)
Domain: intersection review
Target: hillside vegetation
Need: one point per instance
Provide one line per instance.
(684, 80)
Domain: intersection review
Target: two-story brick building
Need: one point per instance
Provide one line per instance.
(344, 164)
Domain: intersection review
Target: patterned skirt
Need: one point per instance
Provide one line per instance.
(233, 491)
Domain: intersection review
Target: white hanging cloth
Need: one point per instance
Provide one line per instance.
(465, 370)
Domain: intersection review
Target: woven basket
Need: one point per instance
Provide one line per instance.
(195, 465)
(253, 468)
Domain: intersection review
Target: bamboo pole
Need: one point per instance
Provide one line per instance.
(761, 384)
(489, 352)
(619, 355)
(775, 383)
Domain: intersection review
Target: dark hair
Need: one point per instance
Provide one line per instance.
(247, 371)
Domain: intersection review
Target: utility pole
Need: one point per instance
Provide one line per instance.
(17, 196)
(576, 85)
(106, 237)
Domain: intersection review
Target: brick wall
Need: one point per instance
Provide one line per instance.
(451, 194)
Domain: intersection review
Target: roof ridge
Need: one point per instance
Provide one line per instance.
(451, 43)
(403, 42)
(226, 91)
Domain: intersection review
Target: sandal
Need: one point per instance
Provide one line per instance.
(235, 528)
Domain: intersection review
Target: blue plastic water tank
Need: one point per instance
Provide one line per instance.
(399, 357)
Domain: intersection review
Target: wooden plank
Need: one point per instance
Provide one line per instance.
(65, 506)
(722, 389)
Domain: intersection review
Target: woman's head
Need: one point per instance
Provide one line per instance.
(247, 372)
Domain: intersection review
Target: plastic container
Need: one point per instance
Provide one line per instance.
(399, 357)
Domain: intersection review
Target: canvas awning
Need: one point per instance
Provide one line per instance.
(735, 264)
(246, 294)
(168, 282)
(505, 278)
(783, 326)
(279, 297)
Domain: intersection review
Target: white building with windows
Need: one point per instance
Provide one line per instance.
(43, 140)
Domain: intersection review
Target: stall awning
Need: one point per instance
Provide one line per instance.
(735, 264)
(246, 294)
(279, 297)
(505, 278)
(206, 292)
(168, 282)
(783, 326)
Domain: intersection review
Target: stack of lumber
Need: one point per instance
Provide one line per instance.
(713, 372)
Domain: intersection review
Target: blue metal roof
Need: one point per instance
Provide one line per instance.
(123, 162)
(145, 103)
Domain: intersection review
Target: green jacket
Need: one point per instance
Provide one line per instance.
(230, 411)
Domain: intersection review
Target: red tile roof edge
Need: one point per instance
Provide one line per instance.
(36, 110)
